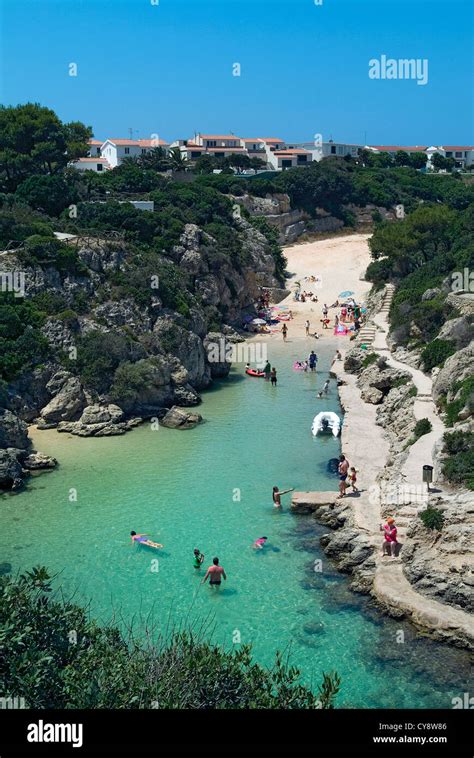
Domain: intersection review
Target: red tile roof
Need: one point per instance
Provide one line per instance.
(292, 151)
(95, 142)
(218, 136)
(272, 139)
(456, 147)
(394, 148)
(136, 142)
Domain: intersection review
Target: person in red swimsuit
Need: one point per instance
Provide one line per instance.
(389, 544)
(215, 573)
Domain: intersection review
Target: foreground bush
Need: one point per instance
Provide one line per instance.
(459, 466)
(55, 657)
(432, 518)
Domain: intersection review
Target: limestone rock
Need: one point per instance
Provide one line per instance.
(372, 395)
(13, 431)
(68, 400)
(37, 461)
(306, 502)
(181, 418)
(10, 469)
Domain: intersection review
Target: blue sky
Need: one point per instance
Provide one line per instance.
(167, 68)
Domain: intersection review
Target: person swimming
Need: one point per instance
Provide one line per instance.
(143, 539)
(259, 544)
(198, 558)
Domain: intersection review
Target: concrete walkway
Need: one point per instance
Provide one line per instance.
(366, 447)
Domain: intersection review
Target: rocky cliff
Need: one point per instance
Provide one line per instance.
(117, 360)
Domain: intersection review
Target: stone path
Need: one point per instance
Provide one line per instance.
(363, 443)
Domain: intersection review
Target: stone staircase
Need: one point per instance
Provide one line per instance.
(368, 332)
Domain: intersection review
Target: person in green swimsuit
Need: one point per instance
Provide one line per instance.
(198, 558)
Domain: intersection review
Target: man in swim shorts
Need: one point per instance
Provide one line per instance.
(215, 572)
(342, 469)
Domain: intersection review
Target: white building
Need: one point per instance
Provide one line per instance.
(90, 164)
(288, 158)
(462, 154)
(116, 150)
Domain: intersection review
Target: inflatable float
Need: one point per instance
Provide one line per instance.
(327, 421)
(298, 366)
(254, 372)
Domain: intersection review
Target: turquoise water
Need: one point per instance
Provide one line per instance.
(210, 487)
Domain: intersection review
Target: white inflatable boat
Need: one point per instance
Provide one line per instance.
(327, 421)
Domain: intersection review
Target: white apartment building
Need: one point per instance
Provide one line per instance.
(115, 150)
(462, 154)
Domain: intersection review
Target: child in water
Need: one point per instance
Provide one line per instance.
(198, 558)
(259, 544)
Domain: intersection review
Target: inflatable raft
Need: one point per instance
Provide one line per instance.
(254, 372)
(327, 421)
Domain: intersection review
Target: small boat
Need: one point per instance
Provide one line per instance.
(327, 421)
(254, 372)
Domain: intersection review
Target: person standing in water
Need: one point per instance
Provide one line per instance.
(326, 387)
(276, 495)
(198, 558)
(215, 573)
(313, 359)
(273, 376)
(284, 331)
(266, 370)
(306, 326)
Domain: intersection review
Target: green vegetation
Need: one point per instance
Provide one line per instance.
(99, 354)
(459, 466)
(421, 253)
(432, 518)
(59, 658)
(465, 392)
(369, 359)
(34, 141)
(21, 343)
(436, 352)
(422, 426)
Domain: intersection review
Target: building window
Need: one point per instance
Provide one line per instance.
(286, 163)
(211, 143)
(449, 154)
(458, 154)
(302, 158)
(333, 149)
(99, 167)
(127, 151)
(143, 150)
(195, 155)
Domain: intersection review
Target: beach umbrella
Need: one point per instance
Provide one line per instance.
(346, 293)
(258, 321)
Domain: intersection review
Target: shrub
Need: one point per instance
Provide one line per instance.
(105, 670)
(465, 390)
(436, 352)
(432, 518)
(459, 466)
(369, 359)
(422, 426)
